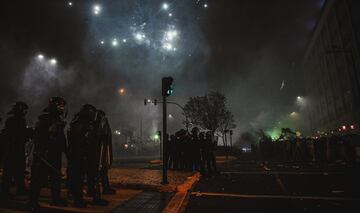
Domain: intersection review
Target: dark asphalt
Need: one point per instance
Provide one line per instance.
(250, 186)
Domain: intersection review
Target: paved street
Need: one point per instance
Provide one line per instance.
(257, 187)
(138, 190)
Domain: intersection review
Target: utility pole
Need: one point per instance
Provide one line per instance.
(164, 144)
(167, 90)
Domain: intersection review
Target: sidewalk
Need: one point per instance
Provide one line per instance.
(147, 179)
(138, 188)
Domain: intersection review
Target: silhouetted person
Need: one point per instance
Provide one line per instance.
(203, 152)
(84, 156)
(15, 135)
(195, 149)
(104, 139)
(172, 150)
(50, 143)
(211, 159)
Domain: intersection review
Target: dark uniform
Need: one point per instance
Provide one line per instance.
(84, 156)
(15, 135)
(203, 153)
(172, 151)
(104, 140)
(210, 155)
(194, 149)
(50, 143)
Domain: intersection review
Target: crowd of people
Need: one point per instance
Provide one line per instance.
(192, 151)
(87, 145)
(329, 148)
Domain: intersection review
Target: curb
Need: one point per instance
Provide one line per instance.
(175, 204)
(161, 188)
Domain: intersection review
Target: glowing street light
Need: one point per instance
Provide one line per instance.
(170, 116)
(121, 91)
(114, 42)
(40, 57)
(70, 3)
(206, 5)
(102, 42)
(53, 61)
(156, 137)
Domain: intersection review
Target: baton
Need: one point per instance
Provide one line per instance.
(51, 167)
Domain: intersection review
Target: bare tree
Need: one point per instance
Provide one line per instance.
(210, 112)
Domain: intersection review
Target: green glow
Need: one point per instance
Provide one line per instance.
(274, 133)
(156, 137)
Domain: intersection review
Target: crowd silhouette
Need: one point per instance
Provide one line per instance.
(192, 151)
(324, 149)
(87, 145)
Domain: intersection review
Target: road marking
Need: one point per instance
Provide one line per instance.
(274, 196)
(282, 173)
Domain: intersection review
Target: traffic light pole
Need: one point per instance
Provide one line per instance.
(165, 142)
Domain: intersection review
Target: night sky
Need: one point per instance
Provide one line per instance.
(246, 49)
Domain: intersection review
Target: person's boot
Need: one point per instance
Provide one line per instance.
(109, 191)
(60, 202)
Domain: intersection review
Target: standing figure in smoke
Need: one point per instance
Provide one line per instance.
(50, 143)
(210, 147)
(194, 149)
(104, 140)
(83, 156)
(15, 135)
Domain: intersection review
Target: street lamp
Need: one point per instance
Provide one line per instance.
(53, 61)
(114, 42)
(40, 57)
(121, 91)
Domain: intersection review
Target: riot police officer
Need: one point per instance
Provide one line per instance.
(210, 146)
(104, 140)
(15, 135)
(194, 149)
(83, 154)
(50, 143)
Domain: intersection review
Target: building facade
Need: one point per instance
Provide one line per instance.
(332, 70)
